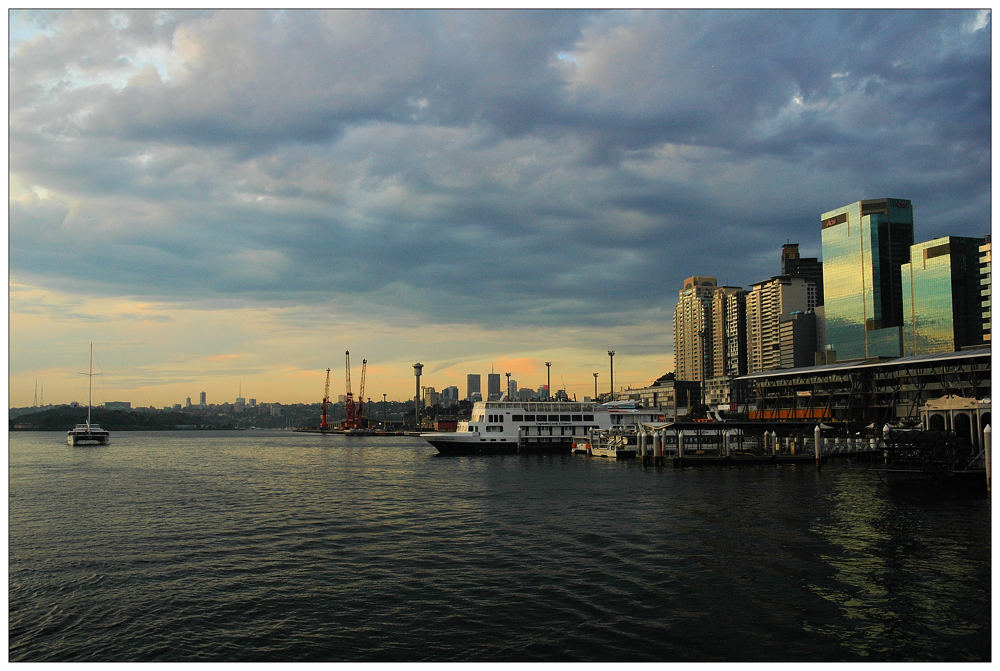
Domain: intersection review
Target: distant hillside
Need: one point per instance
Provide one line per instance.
(64, 417)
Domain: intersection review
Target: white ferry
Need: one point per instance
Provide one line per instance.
(511, 427)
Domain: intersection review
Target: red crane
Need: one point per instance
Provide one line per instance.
(326, 401)
(361, 396)
(350, 411)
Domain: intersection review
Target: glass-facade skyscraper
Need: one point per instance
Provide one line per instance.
(864, 246)
(942, 309)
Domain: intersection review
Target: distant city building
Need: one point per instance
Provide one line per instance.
(693, 329)
(729, 325)
(864, 246)
(809, 268)
(241, 403)
(767, 301)
(942, 305)
(493, 386)
(187, 402)
(449, 395)
(986, 286)
(543, 392)
(202, 400)
(253, 403)
(472, 388)
(118, 405)
(431, 397)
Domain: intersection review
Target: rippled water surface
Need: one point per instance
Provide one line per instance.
(255, 546)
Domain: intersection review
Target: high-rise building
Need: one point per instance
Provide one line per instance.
(693, 329)
(809, 268)
(767, 302)
(493, 386)
(449, 394)
(797, 336)
(942, 305)
(729, 326)
(864, 245)
(472, 382)
(202, 398)
(986, 286)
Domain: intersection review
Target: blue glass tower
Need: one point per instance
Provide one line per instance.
(941, 302)
(864, 246)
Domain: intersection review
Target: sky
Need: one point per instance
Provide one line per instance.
(227, 201)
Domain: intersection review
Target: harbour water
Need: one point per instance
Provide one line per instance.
(259, 546)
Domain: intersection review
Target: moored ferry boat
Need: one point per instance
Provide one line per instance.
(512, 427)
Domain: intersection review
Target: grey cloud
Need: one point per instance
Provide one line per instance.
(537, 167)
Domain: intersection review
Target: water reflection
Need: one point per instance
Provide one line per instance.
(892, 563)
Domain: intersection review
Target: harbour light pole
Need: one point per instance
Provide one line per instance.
(508, 385)
(595, 387)
(417, 369)
(548, 380)
(611, 355)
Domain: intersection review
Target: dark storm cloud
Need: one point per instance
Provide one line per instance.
(518, 167)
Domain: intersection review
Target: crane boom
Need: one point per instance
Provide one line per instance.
(326, 401)
(361, 394)
(350, 417)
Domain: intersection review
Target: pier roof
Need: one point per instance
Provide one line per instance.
(937, 357)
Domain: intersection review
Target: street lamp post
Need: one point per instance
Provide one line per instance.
(548, 380)
(595, 387)
(508, 385)
(385, 424)
(611, 354)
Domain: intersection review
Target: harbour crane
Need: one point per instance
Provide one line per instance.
(323, 426)
(359, 420)
(350, 417)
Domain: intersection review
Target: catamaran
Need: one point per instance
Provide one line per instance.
(88, 434)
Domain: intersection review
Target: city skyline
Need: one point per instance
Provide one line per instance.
(224, 200)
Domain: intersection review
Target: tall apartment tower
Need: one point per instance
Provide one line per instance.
(493, 386)
(986, 286)
(767, 302)
(864, 246)
(942, 303)
(201, 398)
(472, 387)
(809, 268)
(729, 331)
(693, 329)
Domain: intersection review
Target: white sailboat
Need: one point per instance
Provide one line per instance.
(88, 434)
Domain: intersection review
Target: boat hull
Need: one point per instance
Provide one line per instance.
(613, 453)
(89, 438)
(448, 446)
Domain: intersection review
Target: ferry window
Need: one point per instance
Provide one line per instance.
(563, 418)
(517, 418)
(588, 418)
(529, 418)
(491, 429)
(577, 418)
(553, 418)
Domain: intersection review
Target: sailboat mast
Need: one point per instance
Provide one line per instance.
(90, 388)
